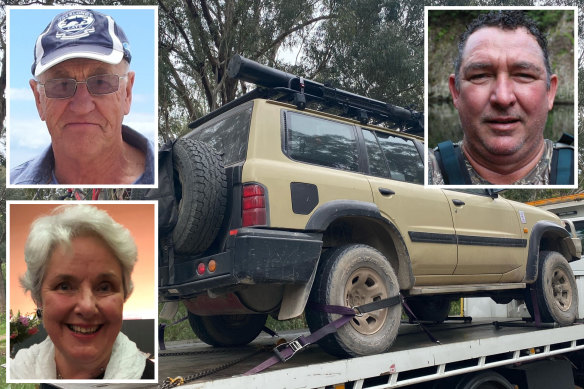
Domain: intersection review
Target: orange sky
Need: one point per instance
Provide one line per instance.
(138, 218)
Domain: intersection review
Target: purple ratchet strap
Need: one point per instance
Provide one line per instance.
(286, 351)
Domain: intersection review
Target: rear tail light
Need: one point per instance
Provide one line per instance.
(253, 206)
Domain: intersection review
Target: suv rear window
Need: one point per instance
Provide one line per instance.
(321, 142)
(227, 134)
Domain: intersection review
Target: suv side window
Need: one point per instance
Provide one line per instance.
(377, 163)
(401, 156)
(321, 142)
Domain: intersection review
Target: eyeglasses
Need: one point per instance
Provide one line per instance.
(64, 88)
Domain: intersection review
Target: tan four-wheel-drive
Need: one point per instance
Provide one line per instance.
(283, 206)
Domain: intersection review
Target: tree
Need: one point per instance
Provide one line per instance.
(197, 39)
(367, 47)
(374, 48)
(2, 237)
(2, 81)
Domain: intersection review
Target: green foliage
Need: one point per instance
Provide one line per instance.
(368, 47)
(2, 324)
(374, 48)
(183, 331)
(454, 308)
(442, 32)
(546, 19)
(296, 323)
(180, 331)
(523, 195)
(3, 358)
(22, 327)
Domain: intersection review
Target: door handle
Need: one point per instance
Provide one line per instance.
(457, 202)
(386, 192)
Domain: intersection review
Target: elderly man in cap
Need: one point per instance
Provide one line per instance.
(83, 89)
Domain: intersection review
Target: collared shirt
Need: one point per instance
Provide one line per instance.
(539, 175)
(40, 170)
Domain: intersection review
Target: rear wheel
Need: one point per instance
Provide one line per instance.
(555, 289)
(227, 330)
(350, 276)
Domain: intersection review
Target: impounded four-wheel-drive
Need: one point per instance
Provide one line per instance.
(289, 201)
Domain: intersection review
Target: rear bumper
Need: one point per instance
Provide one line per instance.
(252, 256)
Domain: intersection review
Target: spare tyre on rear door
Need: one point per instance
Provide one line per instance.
(201, 192)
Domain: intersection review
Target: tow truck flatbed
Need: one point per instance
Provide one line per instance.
(463, 348)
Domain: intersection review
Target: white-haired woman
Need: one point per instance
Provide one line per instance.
(79, 262)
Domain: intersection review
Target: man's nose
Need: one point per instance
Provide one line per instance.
(86, 302)
(503, 93)
(82, 101)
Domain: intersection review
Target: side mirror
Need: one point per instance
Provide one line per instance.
(494, 193)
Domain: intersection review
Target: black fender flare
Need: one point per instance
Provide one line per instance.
(539, 230)
(327, 213)
(332, 210)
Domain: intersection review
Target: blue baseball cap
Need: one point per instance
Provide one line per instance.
(80, 33)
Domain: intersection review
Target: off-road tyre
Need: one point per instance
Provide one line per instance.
(227, 330)
(354, 275)
(555, 289)
(201, 192)
(434, 309)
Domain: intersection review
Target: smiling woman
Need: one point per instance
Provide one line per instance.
(79, 265)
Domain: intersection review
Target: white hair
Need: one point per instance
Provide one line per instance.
(60, 227)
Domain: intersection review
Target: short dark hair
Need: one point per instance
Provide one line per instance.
(505, 20)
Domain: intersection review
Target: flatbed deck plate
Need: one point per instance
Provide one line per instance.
(414, 358)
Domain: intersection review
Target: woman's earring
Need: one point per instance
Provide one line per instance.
(39, 313)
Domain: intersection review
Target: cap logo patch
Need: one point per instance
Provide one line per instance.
(75, 24)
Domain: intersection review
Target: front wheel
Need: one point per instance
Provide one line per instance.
(227, 330)
(555, 289)
(354, 275)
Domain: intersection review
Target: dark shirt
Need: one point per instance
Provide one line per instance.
(40, 170)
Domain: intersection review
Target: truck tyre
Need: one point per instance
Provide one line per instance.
(484, 380)
(201, 192)
(434, 309)
(354, 275)
(556, 290)
(227, 330)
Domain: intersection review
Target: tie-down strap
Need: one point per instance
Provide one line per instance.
(287, 350)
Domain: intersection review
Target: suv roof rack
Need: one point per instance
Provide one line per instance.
(281, 86)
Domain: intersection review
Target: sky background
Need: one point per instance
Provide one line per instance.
(139, 218)
(27, 135)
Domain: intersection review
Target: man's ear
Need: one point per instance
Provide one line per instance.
(453, 91)
(37, 98)
(128, 87)
(552, 91)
